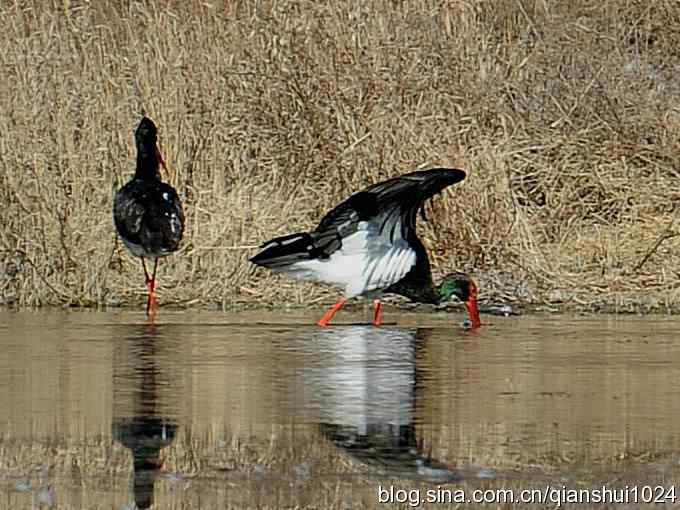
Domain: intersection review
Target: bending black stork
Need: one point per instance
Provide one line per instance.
(147, 211)
(368, 246)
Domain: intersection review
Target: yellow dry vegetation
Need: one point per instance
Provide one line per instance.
(565, 115)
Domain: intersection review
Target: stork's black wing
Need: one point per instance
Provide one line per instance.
(392, 204)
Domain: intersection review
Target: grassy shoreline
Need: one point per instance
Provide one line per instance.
(565, 116)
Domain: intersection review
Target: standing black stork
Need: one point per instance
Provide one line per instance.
(147, 211)
(368, 246)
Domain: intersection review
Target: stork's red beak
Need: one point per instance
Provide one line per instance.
(471, 306)
(161, 160)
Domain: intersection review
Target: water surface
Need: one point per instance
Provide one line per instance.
(212, 410)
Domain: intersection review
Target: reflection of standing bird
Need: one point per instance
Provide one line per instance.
(147, 212)
(138, 419)
(368, 245)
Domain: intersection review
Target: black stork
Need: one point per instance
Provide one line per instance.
(147, 211)
(368, 245)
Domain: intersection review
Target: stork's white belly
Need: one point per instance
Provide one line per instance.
(363, 264)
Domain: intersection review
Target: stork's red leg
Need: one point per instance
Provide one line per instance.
(146, 274)
(152, 305)
(323, 321)
(376, 314)
(148, 281)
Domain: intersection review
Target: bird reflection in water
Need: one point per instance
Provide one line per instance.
(138, 422)
(366, 394)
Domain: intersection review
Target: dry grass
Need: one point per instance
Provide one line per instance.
(565, 114)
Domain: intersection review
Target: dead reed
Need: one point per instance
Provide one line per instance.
(565, 114)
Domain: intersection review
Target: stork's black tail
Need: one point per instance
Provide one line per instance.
(284, 251)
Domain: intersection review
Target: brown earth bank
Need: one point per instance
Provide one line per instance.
(564, 114)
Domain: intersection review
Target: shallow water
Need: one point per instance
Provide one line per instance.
(212, 410)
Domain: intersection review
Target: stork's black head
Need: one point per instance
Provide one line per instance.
(148, 156)
(146, 134)
(465, 289)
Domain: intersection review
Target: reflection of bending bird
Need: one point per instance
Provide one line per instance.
(365, 396)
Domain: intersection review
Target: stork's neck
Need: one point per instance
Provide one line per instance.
(148, 163)
(436, 293)
(427, 294)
